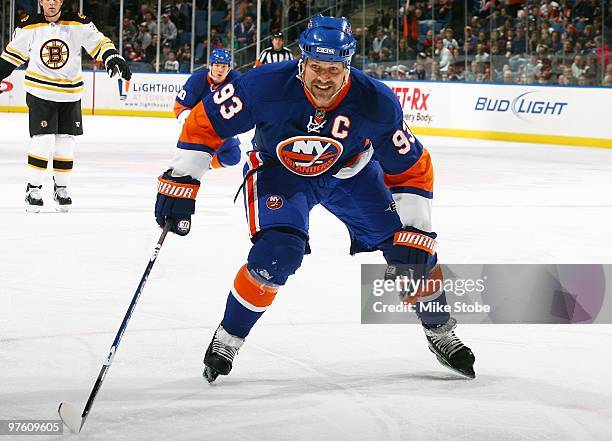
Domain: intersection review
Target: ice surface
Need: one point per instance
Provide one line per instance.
(309, 370)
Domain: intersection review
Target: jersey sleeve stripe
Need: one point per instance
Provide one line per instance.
(419, 176)
(14, 61)
(104, 49)
(196, 147)
(15, 53)
(179, 108)
(97, 47)
(412, 190)
(198, 131)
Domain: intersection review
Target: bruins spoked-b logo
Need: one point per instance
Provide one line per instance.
(54, 54)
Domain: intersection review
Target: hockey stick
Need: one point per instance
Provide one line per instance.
(67, 412)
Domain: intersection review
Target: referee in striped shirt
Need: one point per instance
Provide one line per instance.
(275, 53)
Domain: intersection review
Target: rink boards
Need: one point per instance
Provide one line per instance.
(519, 113)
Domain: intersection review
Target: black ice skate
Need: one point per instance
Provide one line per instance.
(33, 198)
(220, 354)
(63, 202)
(449, 349)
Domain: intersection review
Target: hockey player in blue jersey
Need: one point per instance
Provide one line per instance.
(326, 134)
(199, 85)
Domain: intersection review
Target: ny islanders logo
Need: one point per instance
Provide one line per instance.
(309, 155)
(274, 202)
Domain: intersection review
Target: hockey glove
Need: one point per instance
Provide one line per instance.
(411, 258)
(116, 65)
(228, 154)
(176, 202)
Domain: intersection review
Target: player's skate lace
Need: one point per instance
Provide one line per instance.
(227, 352)
(61, 193)
(448, 343)
(33, 193)
(444, 338)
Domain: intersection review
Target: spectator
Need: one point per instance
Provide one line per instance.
(384, 55)
(379, 20)
(449, 41)
(137, 49)
(151, 50)
(184, 54)
(168, 31)
(129, 31)
(419, 71)
(472, 72)
(469, 49)
(405, 52)
(583, 81)
(150, 22)
(452, 74)
(143, 36)
(563, 80)
(244, 32)
(215, 40)
(578, 67)
(519, 42)
(171, 64)
(533, 66)
(481, 55)
(295, 13)
(469, 37)
(428, 44)
(381, 41)
(444, 55)
(555, 42)
(244, 37)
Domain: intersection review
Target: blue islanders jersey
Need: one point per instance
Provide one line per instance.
(365, 122)
(198, 86)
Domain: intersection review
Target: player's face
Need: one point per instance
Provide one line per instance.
(323, 79)
(218, 72)
(51, 7)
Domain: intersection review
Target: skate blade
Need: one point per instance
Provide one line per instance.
(33, 208)
(466, 374)
(62, 208)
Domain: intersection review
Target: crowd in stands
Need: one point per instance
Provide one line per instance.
(141, 34)
(527, 42)
(508, 41)
(140, 31)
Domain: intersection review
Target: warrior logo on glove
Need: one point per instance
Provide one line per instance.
(184, 226)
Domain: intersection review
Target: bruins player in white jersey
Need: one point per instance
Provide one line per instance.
(51, 45)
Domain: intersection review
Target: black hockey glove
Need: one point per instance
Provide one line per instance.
(176, 202)
(411, 259)
(116, 65)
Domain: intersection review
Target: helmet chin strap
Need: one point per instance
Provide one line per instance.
(300, 76)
